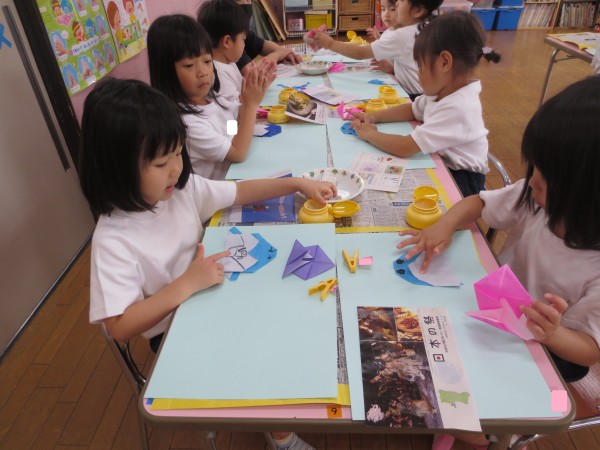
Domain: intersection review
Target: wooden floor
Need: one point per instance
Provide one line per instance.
(61, 389)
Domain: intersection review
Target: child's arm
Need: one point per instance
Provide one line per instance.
(438, 237)
(323, 40)
(250, 191)
(543, 320)
(394, 144)
(141, 316)
(400, 113)
(254, 86)
(278, 53)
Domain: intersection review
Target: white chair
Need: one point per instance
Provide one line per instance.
(137, 380)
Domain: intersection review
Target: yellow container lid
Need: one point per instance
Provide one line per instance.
(350, 34)
(345, 208)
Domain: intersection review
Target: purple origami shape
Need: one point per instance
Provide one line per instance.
(499, 296)
(307, 262)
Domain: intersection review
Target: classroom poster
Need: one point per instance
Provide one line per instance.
(413, 376)
(81, 40)
(128, 21)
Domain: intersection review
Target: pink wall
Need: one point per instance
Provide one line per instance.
(137, 67)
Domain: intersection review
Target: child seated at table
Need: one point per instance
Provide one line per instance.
(397, 46)
(136, 174)
(227, 26)
(553, 216)
(181, 66)
(389, 18)
(447, 52)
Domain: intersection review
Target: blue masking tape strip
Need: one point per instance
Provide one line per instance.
(302, 86)
(377, 82)
(4, 40)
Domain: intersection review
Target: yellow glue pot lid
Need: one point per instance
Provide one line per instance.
(345, 208)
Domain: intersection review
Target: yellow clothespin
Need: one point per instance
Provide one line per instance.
(351, 263)
(324, 286)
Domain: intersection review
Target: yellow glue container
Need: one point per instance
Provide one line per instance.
(422, 213)
(313, 212)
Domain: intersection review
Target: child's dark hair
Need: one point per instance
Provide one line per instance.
(221, 18)
(125, 125)
(429, 5)
(458, 33)
(171, 39)
(562, 140)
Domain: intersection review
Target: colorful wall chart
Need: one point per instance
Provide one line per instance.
(80, 38)
(128, 20)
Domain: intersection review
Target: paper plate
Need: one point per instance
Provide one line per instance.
(349, 184)
(314, 67)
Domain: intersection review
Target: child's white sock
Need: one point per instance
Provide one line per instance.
(292, 442)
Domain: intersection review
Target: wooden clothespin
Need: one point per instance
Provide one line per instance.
(351, 263)
(324, 286)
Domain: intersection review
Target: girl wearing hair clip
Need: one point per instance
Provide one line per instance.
(447, 52)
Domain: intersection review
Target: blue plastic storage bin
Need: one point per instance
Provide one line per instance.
(507, 18)
(486, 15)
(502, 3)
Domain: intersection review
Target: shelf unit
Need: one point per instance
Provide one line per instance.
(356, 15)
(558, 13)
(299, 10)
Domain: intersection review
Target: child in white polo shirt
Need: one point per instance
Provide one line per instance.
(447, 52)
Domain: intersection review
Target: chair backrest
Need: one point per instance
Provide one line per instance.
(121, 350)
(491, 233)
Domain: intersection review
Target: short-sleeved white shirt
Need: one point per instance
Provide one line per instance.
(543, 263)
(230, 79)
(397, 46)
(208, 142)
(453, 127)
(135, 254)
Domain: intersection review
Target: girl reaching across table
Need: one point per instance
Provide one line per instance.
(554, 220)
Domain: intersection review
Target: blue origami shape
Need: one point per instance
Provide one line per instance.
(347, 129)
(378, 82)
(402, 270)
(272, 130)
(302, 86)
(263, 252)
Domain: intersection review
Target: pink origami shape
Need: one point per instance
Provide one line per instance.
(344, 112)
(307, 262)
(499, 296)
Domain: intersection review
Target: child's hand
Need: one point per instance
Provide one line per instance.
(433, 241)
(254, 86)
(356, 115)
(205, 272)
(318, 190)
(543, 319)
(322, 40)
(364, 129)
(385, 65)
(373, 33)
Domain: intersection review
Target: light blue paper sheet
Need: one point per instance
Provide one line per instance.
(260, 337)
(272, 95)
(357, 83)
(338, 58)
(299, 147)
(500, 368)
(345, 147)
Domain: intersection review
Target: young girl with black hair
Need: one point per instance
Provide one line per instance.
(396, 46)
(181, 66)
(389, 18)
(137, 177)
(447, 52)
(136, 174)
(554, 220)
